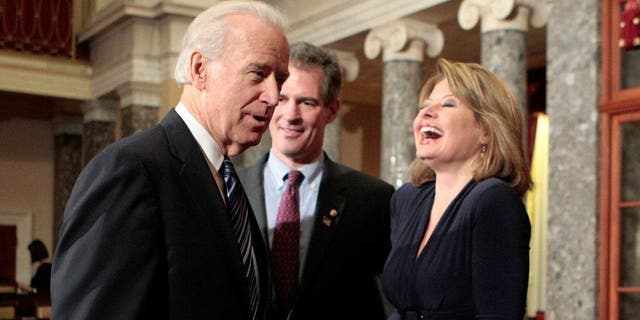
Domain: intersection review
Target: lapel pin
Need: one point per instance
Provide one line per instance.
(333, 213)
(326, 221)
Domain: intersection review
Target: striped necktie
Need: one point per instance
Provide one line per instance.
(238, 207)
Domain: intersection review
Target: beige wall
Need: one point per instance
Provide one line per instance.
(26, 172)
(169, 97)
(360, 145)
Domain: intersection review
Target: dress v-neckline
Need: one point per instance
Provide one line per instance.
(430, 201)
(422, 227)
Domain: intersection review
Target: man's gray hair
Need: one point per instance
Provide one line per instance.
(207, 31)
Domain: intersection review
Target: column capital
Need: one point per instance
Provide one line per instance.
(404, 39)
(503, 14)
(139, 94)
(349, 64)
(67, 124)
(103, 109)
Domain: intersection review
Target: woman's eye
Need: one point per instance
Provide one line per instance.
(449, 103)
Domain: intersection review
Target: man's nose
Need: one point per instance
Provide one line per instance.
(271, 93)
(289, 109)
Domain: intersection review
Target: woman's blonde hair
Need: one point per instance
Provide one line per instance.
(497, 111)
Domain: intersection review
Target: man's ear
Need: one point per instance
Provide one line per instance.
(334, 108)
(197, 70)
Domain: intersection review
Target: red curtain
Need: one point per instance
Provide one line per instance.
(37, 26)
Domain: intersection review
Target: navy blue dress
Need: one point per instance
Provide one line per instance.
(476, 262)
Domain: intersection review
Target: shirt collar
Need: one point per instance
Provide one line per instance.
(208, 145)
(279, 169)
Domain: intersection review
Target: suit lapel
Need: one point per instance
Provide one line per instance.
(253, 181)
(205, 199)
(194, 170)
(198, 179)
(329, 212)
(262, 257)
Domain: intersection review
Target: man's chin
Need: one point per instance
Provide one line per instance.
(292, 153)
(240, 147)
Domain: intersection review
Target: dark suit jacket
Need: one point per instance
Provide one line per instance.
(346, 252)
(146, 235)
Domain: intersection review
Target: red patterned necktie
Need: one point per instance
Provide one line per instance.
(285, 250)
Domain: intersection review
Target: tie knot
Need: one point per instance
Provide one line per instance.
(294, 177)
(227, 167)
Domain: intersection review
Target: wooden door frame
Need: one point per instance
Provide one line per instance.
(617, 105)
(24, 226)
(614, 213)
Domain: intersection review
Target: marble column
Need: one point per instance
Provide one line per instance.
(573, 75)
(349, 66)
(139, 105)
(99, 126)
(403, 43)
(504, 26)
(333, 134)
(67, 132)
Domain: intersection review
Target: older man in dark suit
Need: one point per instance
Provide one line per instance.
(327, 225)
(152, 229)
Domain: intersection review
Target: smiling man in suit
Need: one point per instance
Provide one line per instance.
(327, 225)
(153, 229)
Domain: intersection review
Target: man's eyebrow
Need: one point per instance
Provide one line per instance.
(305, 98)
(258, 65)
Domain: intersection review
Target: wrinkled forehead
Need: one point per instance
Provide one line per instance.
(255, 33)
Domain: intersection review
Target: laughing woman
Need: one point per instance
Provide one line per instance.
(460, 232)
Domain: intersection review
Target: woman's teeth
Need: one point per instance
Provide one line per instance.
(431, 132)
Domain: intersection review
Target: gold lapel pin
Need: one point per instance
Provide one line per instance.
(326, 221)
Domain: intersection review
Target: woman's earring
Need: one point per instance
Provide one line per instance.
(483, 150)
